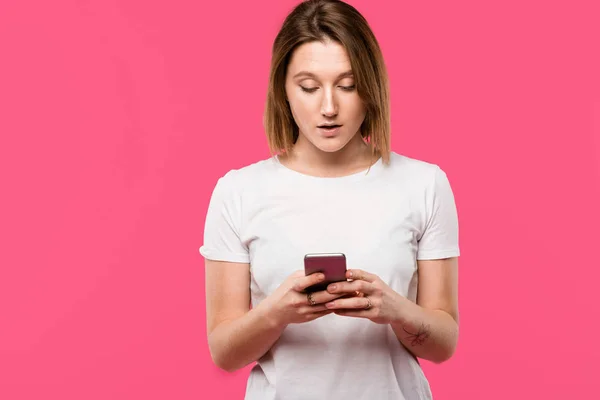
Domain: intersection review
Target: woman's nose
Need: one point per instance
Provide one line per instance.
(329, 106)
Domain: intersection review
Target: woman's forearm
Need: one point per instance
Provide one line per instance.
(428, 334)
(236, 343)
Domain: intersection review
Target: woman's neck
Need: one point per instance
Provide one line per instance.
(304, 157)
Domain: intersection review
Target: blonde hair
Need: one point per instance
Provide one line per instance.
(322, 20)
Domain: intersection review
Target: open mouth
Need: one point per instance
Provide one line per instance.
(329, 126)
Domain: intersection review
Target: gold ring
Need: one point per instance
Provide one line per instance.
(369, 304)
(310, 299)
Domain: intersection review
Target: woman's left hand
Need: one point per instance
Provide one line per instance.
(370, 298)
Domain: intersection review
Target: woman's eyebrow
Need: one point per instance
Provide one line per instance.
(311, 75)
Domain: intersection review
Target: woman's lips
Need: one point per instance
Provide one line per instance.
(330, 131)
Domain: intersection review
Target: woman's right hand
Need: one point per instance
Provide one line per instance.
(289, 304)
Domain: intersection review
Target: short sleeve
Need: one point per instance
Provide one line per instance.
(222, 226)
(439, 238)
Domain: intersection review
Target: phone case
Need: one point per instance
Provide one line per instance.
(333, 265)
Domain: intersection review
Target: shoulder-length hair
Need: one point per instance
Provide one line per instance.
(322, 20)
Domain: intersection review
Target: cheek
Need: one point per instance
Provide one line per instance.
(356, 111)
(301, 111)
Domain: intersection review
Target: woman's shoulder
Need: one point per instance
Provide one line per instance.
(415, 167)
(248, 174)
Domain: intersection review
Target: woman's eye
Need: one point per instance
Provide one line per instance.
(312, 90)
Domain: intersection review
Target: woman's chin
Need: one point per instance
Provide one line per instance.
(330, 149)
(330, 145)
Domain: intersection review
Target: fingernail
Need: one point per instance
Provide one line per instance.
(350, 273)
(330, 304)
(321, 277)
(332, 287)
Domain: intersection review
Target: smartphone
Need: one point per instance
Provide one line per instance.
(333, 265)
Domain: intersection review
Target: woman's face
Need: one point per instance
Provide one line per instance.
(321, 90)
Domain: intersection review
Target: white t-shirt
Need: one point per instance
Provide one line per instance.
(384, 221)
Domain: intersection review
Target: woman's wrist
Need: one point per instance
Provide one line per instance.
(268, 313)
(404, 308)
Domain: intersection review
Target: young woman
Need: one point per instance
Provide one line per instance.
(333, 186)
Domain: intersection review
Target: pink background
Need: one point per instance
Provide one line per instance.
(117, 117)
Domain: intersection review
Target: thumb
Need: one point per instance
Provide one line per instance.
(298, 274)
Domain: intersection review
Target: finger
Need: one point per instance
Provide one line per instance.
(354, 287)
(305, 281)
(324, 296)
(353, 313)
(353, 303)
(359, 274)
(314, 309)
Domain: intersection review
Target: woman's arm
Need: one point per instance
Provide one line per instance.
(237, 335)
(429, 328)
